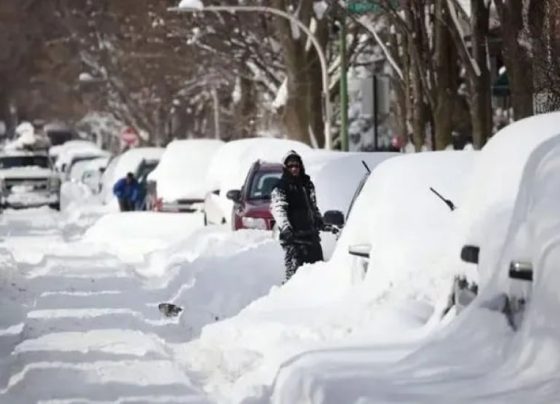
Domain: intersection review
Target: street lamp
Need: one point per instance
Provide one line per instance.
(194, 6)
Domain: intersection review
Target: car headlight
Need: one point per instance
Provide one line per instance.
(54, 183)
(254, 223)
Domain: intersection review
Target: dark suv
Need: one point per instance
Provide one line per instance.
(251, 209)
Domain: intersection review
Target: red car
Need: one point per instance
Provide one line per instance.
(251, 209)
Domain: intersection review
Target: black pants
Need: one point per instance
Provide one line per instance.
(125, 205)
(299, 253)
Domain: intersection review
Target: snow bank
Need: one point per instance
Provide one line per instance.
(492, 363)
(183, 169)
(131, 236)
(328, 303)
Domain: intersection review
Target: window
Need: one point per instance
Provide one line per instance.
(24, 161)
(262, 184)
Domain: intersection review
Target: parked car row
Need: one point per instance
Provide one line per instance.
(229, 183)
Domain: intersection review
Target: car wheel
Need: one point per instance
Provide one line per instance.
(224, 220)
(55, 206)
(205, 219)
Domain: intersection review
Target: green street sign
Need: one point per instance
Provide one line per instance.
(366, 6)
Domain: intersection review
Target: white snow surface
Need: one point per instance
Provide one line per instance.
(196, 4)
(183, 168)
(477, 358)
(55, 151)
(83, 308)
(333, 303)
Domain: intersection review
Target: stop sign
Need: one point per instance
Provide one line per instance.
(129, 136)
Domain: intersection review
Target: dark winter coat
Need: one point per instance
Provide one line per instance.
(127, 191)
(294, 204)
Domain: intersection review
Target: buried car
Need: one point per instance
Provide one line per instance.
(178, 182)
(28, 179)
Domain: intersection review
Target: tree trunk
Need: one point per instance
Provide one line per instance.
(516, 57)
(481, 97)
(302, 94)
(418, 110)
(544, 31)
(447, 79)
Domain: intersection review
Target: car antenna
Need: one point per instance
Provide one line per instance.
(450, 204)
(366, 166)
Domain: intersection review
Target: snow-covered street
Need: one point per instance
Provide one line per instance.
(81, 327)
(81, 292)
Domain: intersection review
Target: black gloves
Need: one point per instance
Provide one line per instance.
(287, 235)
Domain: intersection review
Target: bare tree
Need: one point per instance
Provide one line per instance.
(516, 56)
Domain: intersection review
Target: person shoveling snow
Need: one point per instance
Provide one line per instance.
(294, 208)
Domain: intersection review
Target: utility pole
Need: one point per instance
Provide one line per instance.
(343, 85)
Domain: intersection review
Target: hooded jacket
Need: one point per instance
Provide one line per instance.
(128, 191)
(294, 203)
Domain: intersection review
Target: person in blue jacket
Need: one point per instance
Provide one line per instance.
(127, 192)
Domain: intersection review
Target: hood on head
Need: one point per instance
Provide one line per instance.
(293, 155)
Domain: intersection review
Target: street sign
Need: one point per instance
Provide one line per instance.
(129, 136)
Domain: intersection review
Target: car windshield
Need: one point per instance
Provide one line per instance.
(262, 184)
(24, 161)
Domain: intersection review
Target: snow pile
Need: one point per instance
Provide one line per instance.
(329, 303)
(215, 273)
(509, 366)
(27, 138)
(131, 236)
(73, 194)
(182, 170)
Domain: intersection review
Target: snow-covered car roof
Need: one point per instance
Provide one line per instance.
(183, 167)
(232, 162)
(68, 155)
(72, 144)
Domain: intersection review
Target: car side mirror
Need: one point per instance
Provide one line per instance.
(469, 253)
(234, 195)
(520, 270)
(334, 218)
